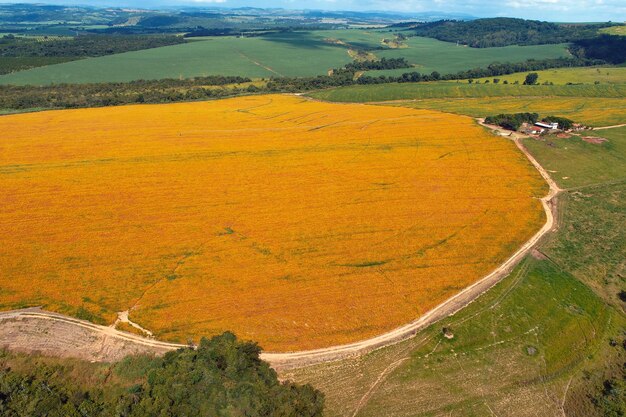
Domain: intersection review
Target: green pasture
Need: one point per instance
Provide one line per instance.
(306, 53)
(428, 55)
(576, 163)
(590, 75)
(615, 30)
(414, 91)
(286, 54)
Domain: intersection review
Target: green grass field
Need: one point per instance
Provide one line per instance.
(430, 55)
(603, 75)
(539, 343)
(577, 163)
(593, 246)
(281, 54)
(615, 30)
(414, 91)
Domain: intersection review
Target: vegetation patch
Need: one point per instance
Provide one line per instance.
(512, 121)
(587, 110)
(503, 31)
(222, 376)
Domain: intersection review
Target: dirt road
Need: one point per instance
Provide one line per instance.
(50, 333)
(609, 127)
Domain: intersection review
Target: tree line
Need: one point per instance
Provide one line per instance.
(83, 45)
(610, 48)
(381, 64)
(223, 376)
(20, 53)
(492, 70)
(503, 31)
(512, 121)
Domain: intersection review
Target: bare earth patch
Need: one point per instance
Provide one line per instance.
(594, 139)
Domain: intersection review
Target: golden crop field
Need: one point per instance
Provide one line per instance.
(591, 111)
(294, 223)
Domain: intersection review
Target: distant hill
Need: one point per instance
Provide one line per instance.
(502, 31)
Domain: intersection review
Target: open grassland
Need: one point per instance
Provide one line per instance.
(304, 53)
(414, 91)
(591, 75)
(292, 222)
(428, 55)
(252, 57)
(577, 163)
(594, 251)
(539, 343)
(615, 30)
(588, 110)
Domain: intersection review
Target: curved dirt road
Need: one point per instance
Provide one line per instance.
(304, 358)
(447, 308)
(609, 127)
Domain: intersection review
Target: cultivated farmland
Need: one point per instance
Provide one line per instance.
(411, 91)
(588, 110)
(292, 222)
(273, 55)
(538, 343)
(445, 57)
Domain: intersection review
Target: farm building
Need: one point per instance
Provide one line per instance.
(548, 125)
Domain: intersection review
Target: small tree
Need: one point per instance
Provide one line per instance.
(531, 78)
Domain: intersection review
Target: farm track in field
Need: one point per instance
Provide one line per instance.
(304, 358)
(609, 127)
(259, 64)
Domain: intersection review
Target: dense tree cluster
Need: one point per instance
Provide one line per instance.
(611, 400)
(221, 377)
(382, 64)
(512, 121)
(502, 31)
(531, 78)
(492, 70)
(13, 64)
(610, 48)
(82, 46)
(564, 123)
(112, 94)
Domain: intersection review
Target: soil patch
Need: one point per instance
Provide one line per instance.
(594, 139)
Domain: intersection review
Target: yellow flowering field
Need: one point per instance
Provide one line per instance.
(590, 111)
(295, 223)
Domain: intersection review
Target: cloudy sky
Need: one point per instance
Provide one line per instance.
(552, 10)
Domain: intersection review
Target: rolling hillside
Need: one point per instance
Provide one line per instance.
(283, 54)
